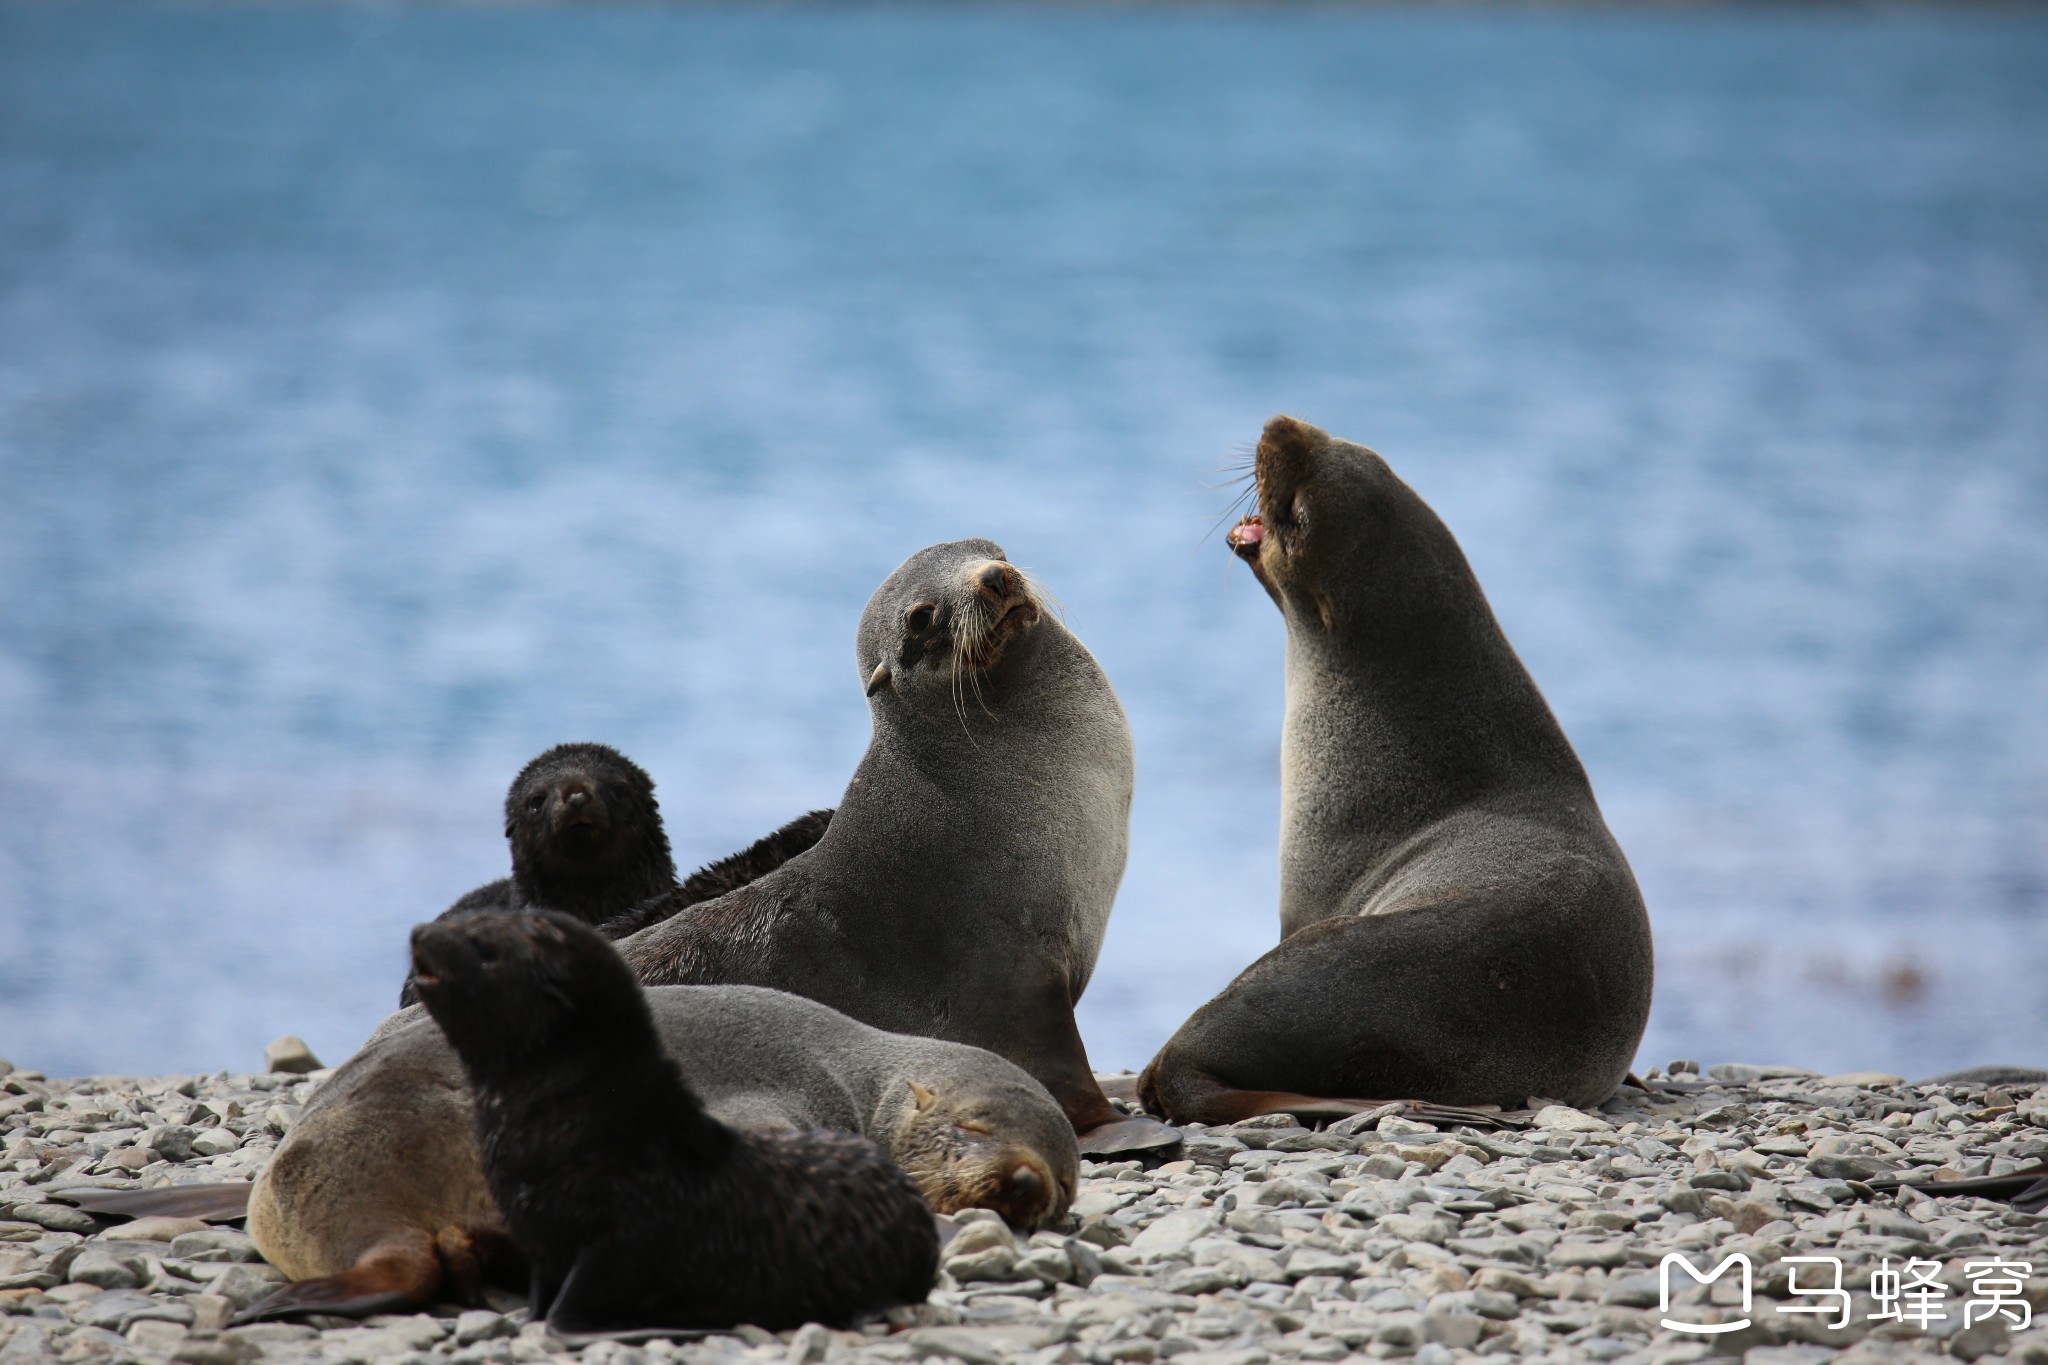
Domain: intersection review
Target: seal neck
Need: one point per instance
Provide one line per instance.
(595, 894)
(1029, 772)
(1401, 708)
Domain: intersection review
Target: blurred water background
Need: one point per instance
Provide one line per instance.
(387, 394)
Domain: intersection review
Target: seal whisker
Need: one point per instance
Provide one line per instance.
(1042, 596)
(1248, 494)
(963, 647)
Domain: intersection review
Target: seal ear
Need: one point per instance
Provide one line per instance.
(878, 679)
(926, 1096)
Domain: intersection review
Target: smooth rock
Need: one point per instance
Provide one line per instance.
(214, 1142)
(215, 1244)
(1174, 1232)
(1744, 1072)
(290, 1054)
(1558, 1118)
(94, 1266)
(158, 1229)
(243, 1284)
(1579, 1255)
(172, 1142)
(56, 1217)
(1867, 1080)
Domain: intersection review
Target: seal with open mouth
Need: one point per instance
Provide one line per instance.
(1457, 923)
(965, 883)
(377, 1200)
(637, 1208)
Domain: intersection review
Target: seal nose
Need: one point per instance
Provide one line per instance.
(1026, 1191)
(578, 799)
(995, 581)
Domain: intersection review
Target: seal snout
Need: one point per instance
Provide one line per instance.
(1025, 1193)
(1246, 537)
(579, 808)
(1006, 595)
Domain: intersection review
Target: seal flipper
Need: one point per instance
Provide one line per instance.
(1053, 1051)
(1197, 1097)
(402, 1271)
(213, 1201)
(1137, 1133)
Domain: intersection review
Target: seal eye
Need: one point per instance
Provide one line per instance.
(920, 620)
(538, 800)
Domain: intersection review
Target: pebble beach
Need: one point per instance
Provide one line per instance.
(1382, 1237)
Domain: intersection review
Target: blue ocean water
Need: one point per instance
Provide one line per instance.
(389, 393)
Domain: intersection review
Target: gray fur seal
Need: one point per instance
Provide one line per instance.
(965, 882)
(1457, 923)
(638, 1210)
(376, 1198)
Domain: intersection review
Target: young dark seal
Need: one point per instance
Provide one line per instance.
(376, 1198)
(636, 1207)
(1457, 923)
(587, 840)
(964, 885)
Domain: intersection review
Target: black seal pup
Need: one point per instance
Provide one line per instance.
(376, 1198)
(587, 840)
(636, 1207)
(1457, 924)
(964, 885)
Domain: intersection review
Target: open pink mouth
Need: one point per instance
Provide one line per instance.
(1246, 535)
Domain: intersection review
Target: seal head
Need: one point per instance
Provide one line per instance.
(586, 833)
(943, 623)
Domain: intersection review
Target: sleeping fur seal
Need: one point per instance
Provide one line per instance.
(964, 885)
(376, 1198)
(638, 1210)
(1457, 923)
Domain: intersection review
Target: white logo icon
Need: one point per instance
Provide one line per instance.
(1702, 1328)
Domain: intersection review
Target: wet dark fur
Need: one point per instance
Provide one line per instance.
(638, 1209)
(602, 875)
(729, 873)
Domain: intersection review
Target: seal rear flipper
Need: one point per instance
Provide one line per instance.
(1188, 1095)
(1134, 1134)
(402, 1271)
(214, 1202)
